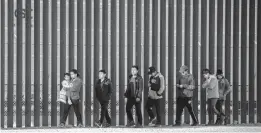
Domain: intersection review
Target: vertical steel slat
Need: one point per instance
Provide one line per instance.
(75, 46)
(109, 48)
(175, 59)
(14, 64)
(125, 50)
(224, 43)
(84, 66)
(150, 33)
(67, 40)
(6, 65)
(23, 65)
(255, 62)
(207, 50)
(142, 53)
(183, 39)
(215, 44)
(199, 61)
(134, 42)
(2, 92)
(49, 62)
(58, 58)
(239, 60)
(92, 61)
(117, 60)
(231, 59)
(158, 36)
(41, 64)
(247, 62)
(100, 34)
(32, 64)
(167, 63)
(191, 42)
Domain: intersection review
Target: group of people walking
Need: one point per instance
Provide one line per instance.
(217, 87)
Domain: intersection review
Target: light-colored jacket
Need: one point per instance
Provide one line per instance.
(157, 94)
(211, 85)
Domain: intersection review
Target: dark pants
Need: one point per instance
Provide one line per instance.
(212, 110)
(104, 112)
(150, 103)
(76, 105)
(183, 102)
(219, 105)
(130, 103)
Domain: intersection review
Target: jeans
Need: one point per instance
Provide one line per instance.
(75, 104)
(130, 103)
(150, 103)
(183, 102)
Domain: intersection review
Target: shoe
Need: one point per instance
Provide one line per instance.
(79, 125)
(130, 124)
(152, 121)
(176, 125)
(138, 126)
(98, 124)
(157, 125)
(62, 125)
(107, 125)
(194, 124)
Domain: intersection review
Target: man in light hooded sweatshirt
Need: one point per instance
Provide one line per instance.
(211, 84)
(156, 88)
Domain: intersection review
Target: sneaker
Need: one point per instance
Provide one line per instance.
(79, 125)
(130, 124)
(62, 125)
(194, 124)
(152, 121)
(98, 124)
(107, 125)
(138, 126)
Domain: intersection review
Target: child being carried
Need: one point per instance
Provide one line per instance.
(65, 95)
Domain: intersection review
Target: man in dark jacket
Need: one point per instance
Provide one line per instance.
(134, 95)
(103, 90)
(186, 86)
(224, 89)
(156, 89)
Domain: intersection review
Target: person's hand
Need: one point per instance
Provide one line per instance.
(181, 86)
(149, 84)
(137, 99)
(178, 85)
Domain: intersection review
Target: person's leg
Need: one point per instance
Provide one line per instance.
(138, 112)
(107, 116)
(219, 108)
(103, 110)
(129, 105)
(210, 113)
(180, 106)
(149, 106)
(65, 113)
(76, 107)
(157, 104)
(190, 109)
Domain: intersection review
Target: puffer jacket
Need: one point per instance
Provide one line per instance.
(189, 85)
(224, 88)
(156, 86)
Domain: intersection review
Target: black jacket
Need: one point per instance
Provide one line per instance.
(103, 90)
(134, 93)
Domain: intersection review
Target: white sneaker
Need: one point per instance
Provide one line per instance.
(152, 121)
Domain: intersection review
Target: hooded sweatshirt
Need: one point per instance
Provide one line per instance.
(211, 84)
(156, 86)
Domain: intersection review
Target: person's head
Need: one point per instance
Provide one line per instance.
(67, 76)
(184, 70)
(74, 73)
(219, 74)
(102, 74)
(134, 70)
(152, 71)
(206, 73)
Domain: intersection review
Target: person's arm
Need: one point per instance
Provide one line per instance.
(109, 88)
(65, 85)
(162, 85)
(140, 88)
(210, 83)
(191, 85)
(227, 87)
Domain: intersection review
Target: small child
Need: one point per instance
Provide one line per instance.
(63, 93)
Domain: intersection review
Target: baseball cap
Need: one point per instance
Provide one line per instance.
(183, 68)
(103, 71)
(219, 72)
(151, 70)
